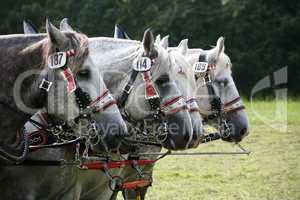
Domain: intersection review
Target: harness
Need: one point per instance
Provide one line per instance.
(159, 109)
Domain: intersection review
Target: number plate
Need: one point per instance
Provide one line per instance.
(57, 60)
(200, 67)
(142, 64)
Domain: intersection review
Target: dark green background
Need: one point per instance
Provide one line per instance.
(261, 35)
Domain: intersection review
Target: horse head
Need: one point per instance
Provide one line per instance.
(217, 66)
(172, 103)
(72, 88)
(184, 77)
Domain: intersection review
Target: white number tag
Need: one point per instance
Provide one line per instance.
(200, 67)
(57, 60)
(142, 64)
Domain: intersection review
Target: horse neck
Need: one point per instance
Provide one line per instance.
(114, 58)
(17, 59)
(13, 64)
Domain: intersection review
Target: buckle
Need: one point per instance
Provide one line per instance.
(46, 85)
(128, 88)
(206, 79)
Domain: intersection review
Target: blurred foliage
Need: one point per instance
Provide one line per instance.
(261, 35)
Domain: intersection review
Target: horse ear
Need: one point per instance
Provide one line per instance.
(218, 49)
(120, 33)
(165, 42)
(157, 39)
(56, 36)
(148, 41)
(223, 46)
(183, 46)
(220, 45)
(64, 25)
(29, 28)
(117, 31)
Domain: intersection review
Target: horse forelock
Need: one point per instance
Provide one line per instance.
(162, 62)
(80, 45)
(186, 66)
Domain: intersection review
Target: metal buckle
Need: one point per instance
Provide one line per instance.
(209, 79)
(128, 88)
(46, 85)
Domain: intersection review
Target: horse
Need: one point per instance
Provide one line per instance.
(117, 58)
(50, 86)
(215, 65)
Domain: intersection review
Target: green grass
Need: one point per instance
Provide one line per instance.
(270, 172)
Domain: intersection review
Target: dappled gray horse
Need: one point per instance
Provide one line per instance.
(60, 93)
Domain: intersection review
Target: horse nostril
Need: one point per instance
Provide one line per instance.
(243, 132)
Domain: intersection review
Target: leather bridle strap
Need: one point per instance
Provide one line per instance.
(192, 105)
(233, 106)
(173, 105)
(215, 101)
(102, 102)
(127, 89)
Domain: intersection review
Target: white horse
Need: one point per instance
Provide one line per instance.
(116, 58)
(222, 81)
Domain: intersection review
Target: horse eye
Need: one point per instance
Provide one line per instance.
(162, 79)
(222, 82)
(84, 73)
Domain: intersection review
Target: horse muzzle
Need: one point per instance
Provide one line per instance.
(179, 131)
(239, 126)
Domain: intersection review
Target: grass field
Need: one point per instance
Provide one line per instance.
(270, 172)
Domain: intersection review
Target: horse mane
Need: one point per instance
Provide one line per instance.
(43, 48)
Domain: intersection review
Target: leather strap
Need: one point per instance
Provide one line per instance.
(127, 89)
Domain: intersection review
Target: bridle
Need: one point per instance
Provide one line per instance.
(86, 105)
(50, 132)
(159, 110)
(219, 110)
